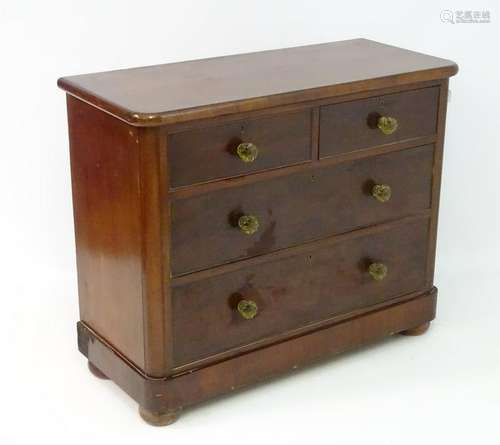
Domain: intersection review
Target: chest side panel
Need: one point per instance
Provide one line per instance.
(107, 212)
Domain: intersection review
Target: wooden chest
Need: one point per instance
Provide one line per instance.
(242, 216)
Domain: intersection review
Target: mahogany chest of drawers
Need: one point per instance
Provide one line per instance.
(242, 216)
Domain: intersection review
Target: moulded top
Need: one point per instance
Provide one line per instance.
(177, 92)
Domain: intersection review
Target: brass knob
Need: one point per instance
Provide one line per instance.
(387, 124)
(382, 192)
(248, 224)
(247, 151)
(248, 309)
(377, 271)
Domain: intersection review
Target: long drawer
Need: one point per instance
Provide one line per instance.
(287, 293)
(286, 211)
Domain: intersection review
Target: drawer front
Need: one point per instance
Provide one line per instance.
(293, 292)
(211, 153)
(351, 126)
(301, 207)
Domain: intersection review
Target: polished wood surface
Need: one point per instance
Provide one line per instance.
(107, 212)
(436, 179)
(199, 89)
(188, 388)
(155, 258)
(177, 303)
(296, 291)
(297, 208)
(209, 153)
(352, 126)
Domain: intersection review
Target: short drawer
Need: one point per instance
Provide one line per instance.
(215, 314)
(239, 148)
(350, 126)
(301, 207)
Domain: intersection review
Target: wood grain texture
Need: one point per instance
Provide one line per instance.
(209, 153)
(157, 192)
(118, 209)
(350, 126)
(198, 89)
(297, 290)
(298, 106)
(151, 144)
(195, 386)
(238, 181)
(107, 211)
(297, 208)
(436, 178)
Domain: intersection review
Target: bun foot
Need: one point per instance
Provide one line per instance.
(159, 419)
(419, 330)
(97, 372)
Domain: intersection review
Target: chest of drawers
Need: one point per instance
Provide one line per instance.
(242, 216)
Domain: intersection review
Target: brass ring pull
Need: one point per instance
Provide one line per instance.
(381, 192)
(378, 271)
(248, 224)
(248, 309)
(387, 124)
(247, 151)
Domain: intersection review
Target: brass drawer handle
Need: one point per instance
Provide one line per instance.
(247, 151)
(378, 271)
(382, 192)
(248, 309)
(248, 224)
(387, 124)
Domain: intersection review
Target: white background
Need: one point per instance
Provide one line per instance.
(443, 387)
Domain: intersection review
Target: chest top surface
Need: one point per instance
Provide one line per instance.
(175, 92)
